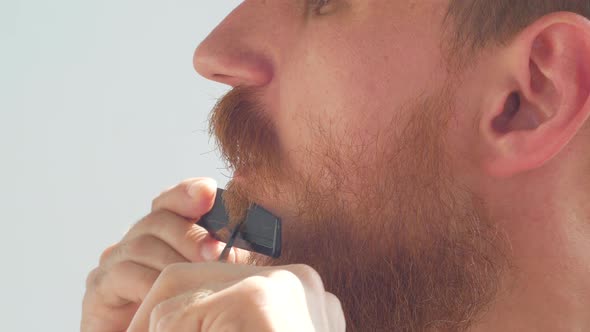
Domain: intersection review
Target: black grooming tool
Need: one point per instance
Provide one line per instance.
(260, 232)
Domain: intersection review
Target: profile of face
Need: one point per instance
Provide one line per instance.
(345, 119)
(338, 122)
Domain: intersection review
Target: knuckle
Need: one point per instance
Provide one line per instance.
(144, 280)
(106, 280)
(333, 301)
(106, 254)
(139, 246)
(156, 203)
(119, 270)
(94, 278)
(171, 280)
(170, 256)
(256, 290)
(154, 219)
(133, 227)
(171, 272)
(308, 276)
(185, 184)
(256, 283)
(142, 222)
(335, 312)
(159, 311)
(286, 278)
(166, 323)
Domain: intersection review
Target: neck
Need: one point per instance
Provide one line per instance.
(547, 287)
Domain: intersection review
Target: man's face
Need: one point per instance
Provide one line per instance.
(340, 124)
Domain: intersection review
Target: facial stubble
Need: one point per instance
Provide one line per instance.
(383, 221)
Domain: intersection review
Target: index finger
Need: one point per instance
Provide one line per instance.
(191, 198)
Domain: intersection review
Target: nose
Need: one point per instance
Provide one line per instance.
(231, 54)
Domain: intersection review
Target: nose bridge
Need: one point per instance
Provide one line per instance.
(239, 50)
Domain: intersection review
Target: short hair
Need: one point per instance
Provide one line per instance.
(479, 23)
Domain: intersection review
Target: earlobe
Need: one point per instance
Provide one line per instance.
(546, 102)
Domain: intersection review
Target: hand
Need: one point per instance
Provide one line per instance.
(128, 269)
(230, 297)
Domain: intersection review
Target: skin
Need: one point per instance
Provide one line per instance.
(157, 278)
(355, 65)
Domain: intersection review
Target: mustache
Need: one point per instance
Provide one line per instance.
(245, 135)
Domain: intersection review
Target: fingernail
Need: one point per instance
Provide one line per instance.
(211, 251)
(195, 189)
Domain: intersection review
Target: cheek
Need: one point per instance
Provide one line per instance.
(352, 83)
(322, 104)
(325, 113)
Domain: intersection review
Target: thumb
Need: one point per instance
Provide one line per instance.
(190, 199)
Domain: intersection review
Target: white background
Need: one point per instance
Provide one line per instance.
(100, 110)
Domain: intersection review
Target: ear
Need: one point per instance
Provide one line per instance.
(543, 98)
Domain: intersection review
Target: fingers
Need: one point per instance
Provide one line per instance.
(191, 198)
(190, 240)
(178, 278)
(172, 220)
(167, 236)
(122, 283)
(335, 313)
(174, 314)
(173, 216)
(251, 304)
(146, 250)
(213, 296)
(216, 307)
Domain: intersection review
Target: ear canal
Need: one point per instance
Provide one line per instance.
(517, 115)
(501, 124)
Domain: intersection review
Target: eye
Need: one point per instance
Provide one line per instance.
(319, 6)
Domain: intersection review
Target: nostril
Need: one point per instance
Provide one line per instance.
(227, 79)
(233, 69)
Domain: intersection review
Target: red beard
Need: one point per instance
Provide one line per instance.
(402, 245)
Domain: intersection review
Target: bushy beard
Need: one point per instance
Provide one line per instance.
(385, 224)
